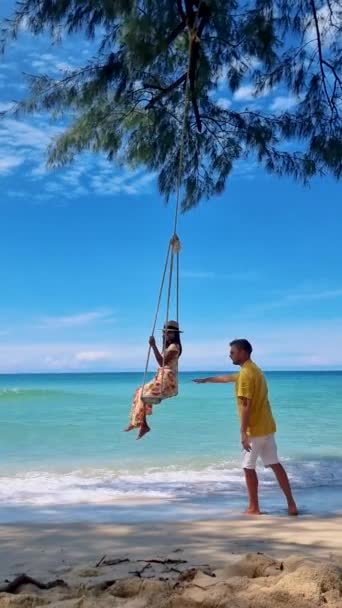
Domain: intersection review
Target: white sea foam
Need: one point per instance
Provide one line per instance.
(103, 486)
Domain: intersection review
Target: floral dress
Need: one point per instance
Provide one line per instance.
(163, 386)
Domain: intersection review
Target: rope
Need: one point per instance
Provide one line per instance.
(156, 315)
(177, 288)
(167, 312)
(174, 244)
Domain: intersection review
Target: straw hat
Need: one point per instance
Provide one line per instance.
(173, 325)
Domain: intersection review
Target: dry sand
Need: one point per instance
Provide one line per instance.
(292, 563)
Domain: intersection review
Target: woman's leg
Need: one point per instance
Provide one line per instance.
(129, 428)
(137, 412)
(144, 428)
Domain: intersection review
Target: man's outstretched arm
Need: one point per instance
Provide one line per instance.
(217, 379)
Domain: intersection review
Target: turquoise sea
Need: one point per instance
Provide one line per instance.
(64, 457)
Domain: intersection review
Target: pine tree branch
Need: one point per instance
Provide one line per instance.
(190, 15)
(224, 41)
(204, 14)
(216, 137)
(166, 91)
(194, 59)
(180, 9)
(331, 16)
(332, 68)
(321, 59)
(178, 29)
(197, 114)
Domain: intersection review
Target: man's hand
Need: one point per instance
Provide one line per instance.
(152, 341)
(200, 380)
(245, 442)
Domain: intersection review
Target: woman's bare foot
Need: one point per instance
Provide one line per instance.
(293, 509)
(143, 430)
(129, 428)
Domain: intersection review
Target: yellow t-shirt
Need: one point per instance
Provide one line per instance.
(251, 384)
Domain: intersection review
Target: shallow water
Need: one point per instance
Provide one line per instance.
(64, 455)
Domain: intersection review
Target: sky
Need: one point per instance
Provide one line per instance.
(83, 250)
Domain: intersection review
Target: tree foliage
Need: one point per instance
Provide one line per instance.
(128, 101)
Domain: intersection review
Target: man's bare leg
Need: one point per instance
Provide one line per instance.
(252, 488)
(284, 484)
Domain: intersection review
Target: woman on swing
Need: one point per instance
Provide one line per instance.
(164, 384)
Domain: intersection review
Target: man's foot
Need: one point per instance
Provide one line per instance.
(293, 509)
(129, 428)
(252, 511)
(143, 430)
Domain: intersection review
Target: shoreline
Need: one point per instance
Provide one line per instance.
(316, 502)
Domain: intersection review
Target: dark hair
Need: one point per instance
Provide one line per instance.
(243, 344)
(176, 340)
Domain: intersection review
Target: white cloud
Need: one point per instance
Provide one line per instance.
(63, 66)
(245, 169)
(16, 194)
(194, 274)
(144, 180)
(53, 187)
(59, 357)
(291, 299)
(5, 106)
(40, 170)
(48, 63)
(24, 23)
(246, 93)
(46, 57)
(283, 103)
(91, 174)
(7, 163)
(7, 67)
(328, 30)
(292, 346)
(95, 174)
(20, 134)
(39, 65)
(72, 175)
(94, 356)
(210, 275)
(317, 295)
(77, 320)
(299, 345)
(128, 182)
(224, 103)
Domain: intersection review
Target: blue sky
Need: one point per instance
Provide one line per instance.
(83, 249)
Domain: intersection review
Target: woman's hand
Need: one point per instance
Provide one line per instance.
(152, 342)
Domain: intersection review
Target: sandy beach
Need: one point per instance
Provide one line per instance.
(256, 562)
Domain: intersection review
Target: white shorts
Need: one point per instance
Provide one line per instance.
(264, 447)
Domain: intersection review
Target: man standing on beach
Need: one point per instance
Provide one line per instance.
(257, 424)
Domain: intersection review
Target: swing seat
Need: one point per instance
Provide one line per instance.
(151, 400)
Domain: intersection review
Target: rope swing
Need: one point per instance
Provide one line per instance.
(171, 265)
